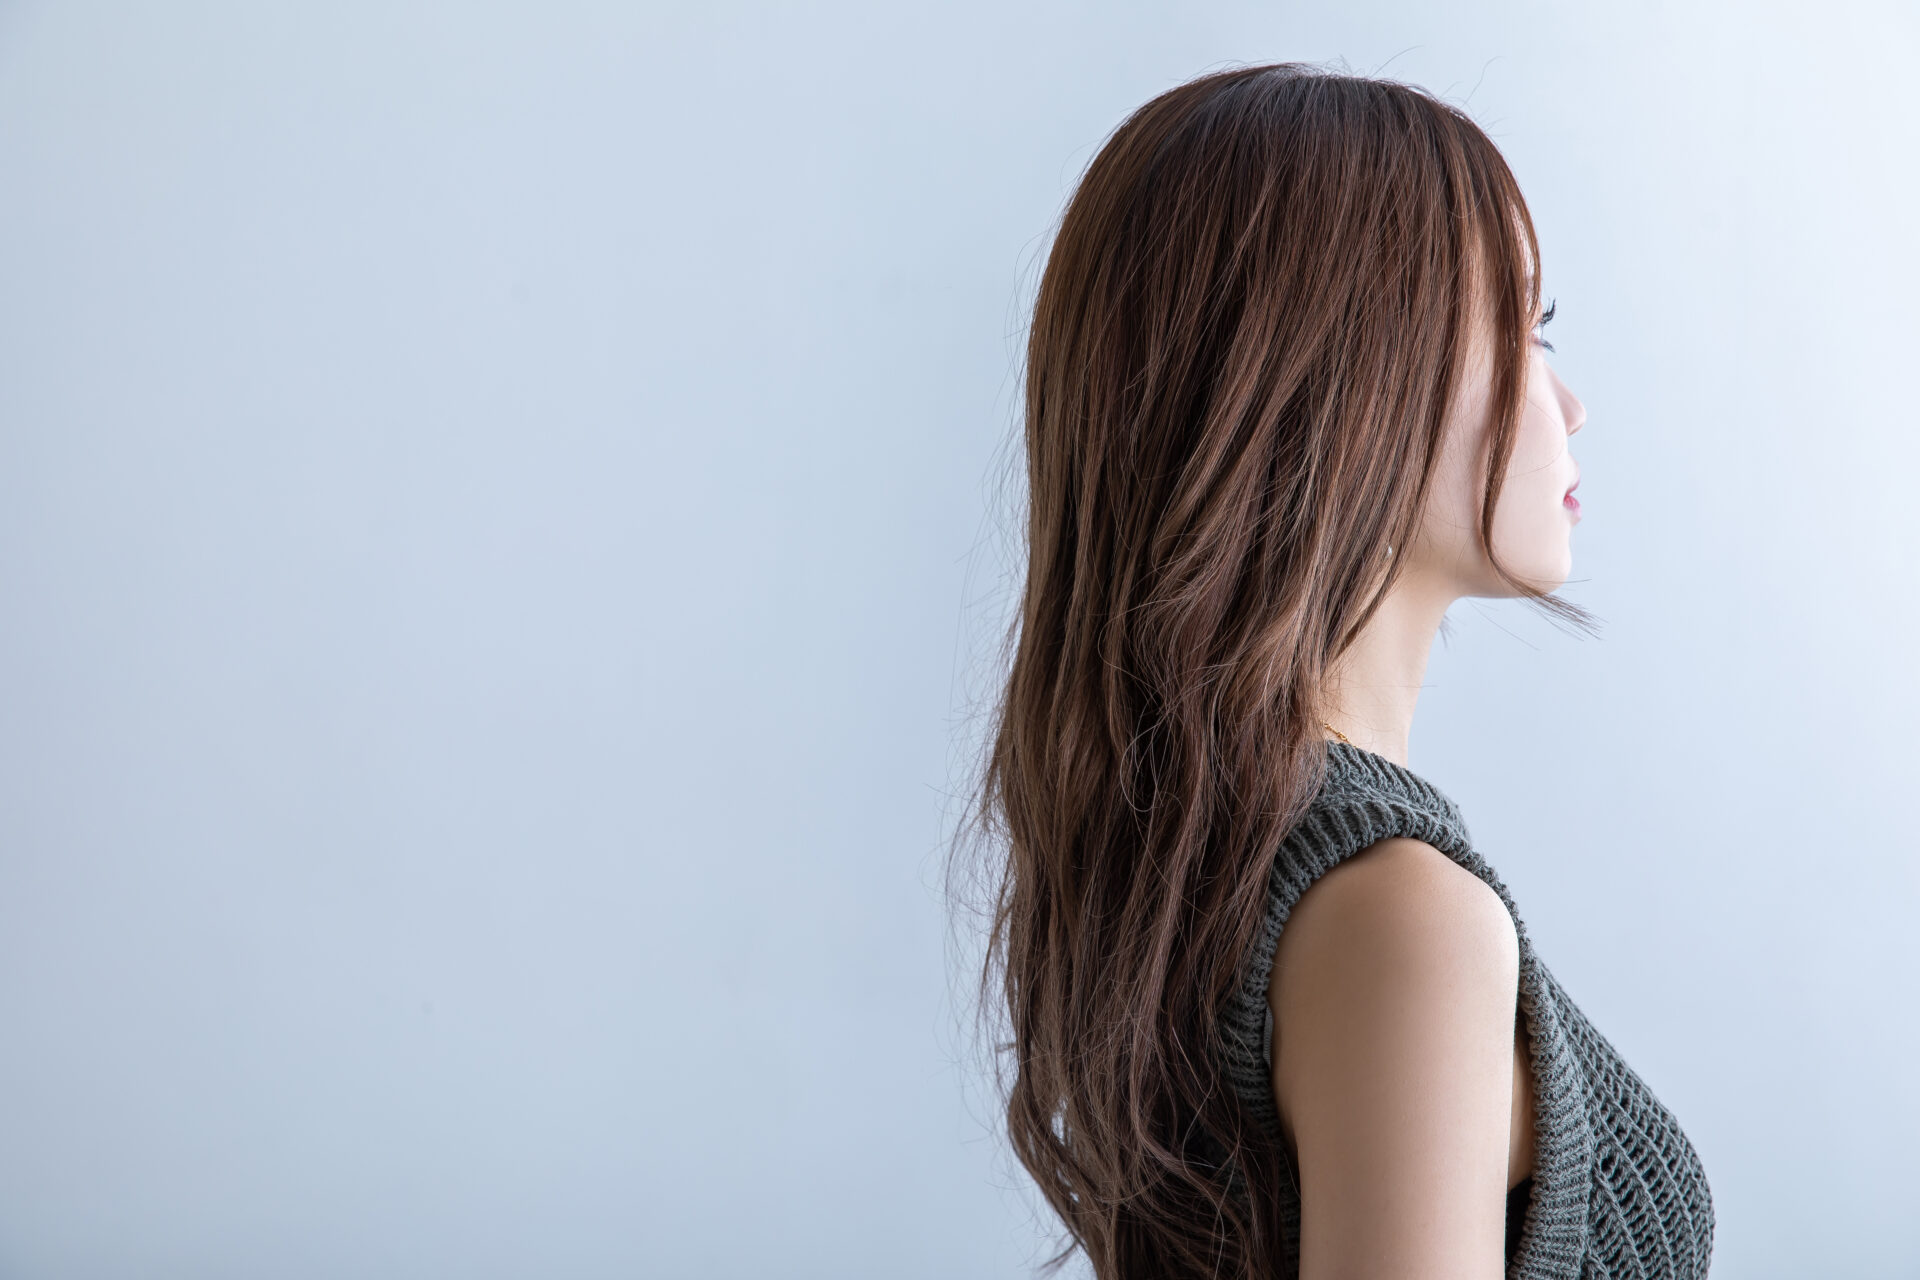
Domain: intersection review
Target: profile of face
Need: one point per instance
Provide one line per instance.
(1533, 523)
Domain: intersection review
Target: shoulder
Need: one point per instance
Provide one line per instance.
(1398, 925)
(1399, 955)
(1402, 901)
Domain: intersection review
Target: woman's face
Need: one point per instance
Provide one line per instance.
(1533, 523)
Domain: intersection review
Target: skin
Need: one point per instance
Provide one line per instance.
(1400, 1065)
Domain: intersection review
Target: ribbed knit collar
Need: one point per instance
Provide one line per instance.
(1356, 768)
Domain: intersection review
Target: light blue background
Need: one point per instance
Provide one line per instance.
(502, 536)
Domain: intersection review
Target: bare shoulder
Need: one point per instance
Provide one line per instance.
(1393, 993)
(1407, 898)
(1397, 925)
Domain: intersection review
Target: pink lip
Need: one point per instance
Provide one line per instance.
(1571, 503)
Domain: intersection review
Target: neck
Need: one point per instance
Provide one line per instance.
(1374, 687)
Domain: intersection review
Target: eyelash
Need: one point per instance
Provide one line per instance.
(1544, 317)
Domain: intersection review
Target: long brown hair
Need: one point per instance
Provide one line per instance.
(1251, 324)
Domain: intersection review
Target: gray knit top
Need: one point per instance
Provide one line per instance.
(1617, 1190)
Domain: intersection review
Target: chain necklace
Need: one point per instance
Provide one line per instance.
(1336, 733)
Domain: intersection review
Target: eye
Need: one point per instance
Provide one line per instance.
(1544, 317)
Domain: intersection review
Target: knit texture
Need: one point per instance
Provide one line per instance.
(1618, 1192)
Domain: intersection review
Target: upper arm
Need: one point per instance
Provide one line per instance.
(1394, 991)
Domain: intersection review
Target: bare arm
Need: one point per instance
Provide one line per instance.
(1393, 993)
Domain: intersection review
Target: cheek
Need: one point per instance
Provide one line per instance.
(1449, 542)
(1536, 466)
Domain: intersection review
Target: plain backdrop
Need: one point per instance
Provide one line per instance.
(502, 537)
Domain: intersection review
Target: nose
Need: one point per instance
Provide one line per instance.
(1570, 407)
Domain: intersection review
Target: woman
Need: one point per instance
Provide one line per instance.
(1270, 1013)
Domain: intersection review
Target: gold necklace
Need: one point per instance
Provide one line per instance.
(1336, 733)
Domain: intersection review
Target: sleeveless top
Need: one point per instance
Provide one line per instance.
(1616, 1190)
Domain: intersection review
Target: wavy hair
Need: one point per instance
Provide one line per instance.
(1254, 316)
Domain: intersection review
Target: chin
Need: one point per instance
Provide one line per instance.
(1548, 573)
(1546, 558)
(1561, 570)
